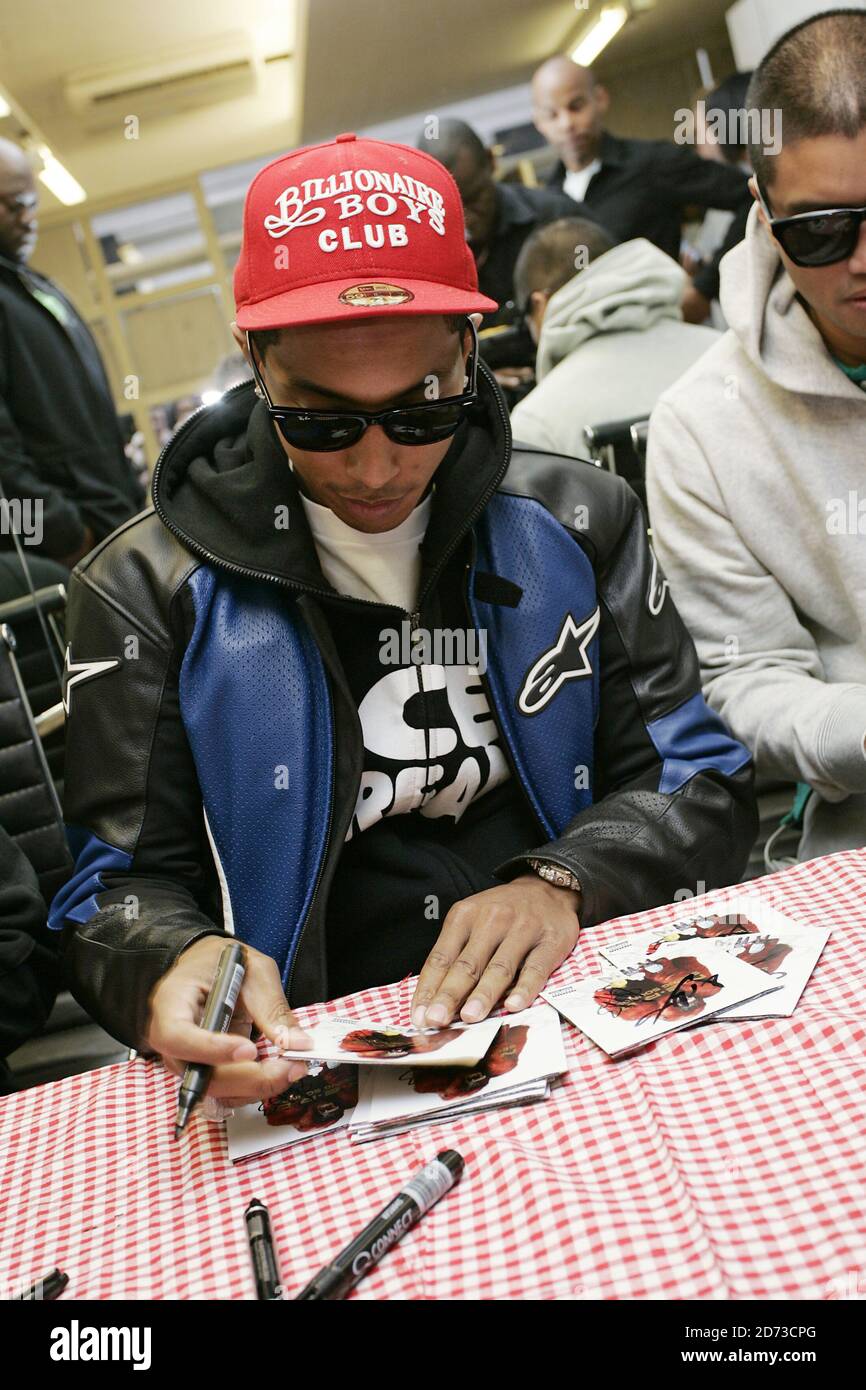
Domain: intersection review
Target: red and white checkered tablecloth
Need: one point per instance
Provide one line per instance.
(724, 1162)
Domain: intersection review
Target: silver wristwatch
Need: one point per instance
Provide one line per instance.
(555, 874)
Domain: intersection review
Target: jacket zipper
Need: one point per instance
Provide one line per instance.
(485, 686)
(248, 572)
(506, 751)
(414, 625)
(323, 859)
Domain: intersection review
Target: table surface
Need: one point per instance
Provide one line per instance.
(722, 1162)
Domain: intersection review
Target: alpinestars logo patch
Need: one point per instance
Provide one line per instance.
(658, 588)
(75, 672)
(566, 660)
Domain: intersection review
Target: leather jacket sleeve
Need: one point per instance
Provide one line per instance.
(674, 810)
(143, 887)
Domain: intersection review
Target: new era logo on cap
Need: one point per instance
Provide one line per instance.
(374, 295)
(335, 231)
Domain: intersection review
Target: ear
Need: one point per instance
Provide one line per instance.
(240, 338)
(602, 99)
(536, 313)
(753, 189)
(466, 345)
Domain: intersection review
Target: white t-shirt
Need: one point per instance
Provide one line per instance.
(384, 567)
(576, 181)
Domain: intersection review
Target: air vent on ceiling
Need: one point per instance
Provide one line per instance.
(211, 71)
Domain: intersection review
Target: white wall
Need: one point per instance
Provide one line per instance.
(754, 25)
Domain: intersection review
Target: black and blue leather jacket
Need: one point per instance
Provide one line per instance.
(201, 657)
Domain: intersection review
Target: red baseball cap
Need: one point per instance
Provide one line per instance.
(352, 229)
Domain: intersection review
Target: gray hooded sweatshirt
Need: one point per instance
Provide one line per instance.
(756, 481)
(612, 340)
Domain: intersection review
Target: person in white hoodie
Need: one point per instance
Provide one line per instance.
(756, 469)
(610, 334)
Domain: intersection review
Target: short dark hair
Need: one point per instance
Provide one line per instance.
(263, 338)
(547, 257)
(816, 76)
(451, 136)
(730, 95)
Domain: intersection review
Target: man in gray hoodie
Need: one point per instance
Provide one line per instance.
(609, 330)
(756, 481)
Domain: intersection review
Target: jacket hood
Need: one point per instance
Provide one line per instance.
(763, 309)
(224, 487)
(628, 289)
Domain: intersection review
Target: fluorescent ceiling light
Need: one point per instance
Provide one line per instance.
(211, 397)
(58, 180)
(599, 34)
(5, 108)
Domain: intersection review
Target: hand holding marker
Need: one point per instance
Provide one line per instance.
(216, 1019)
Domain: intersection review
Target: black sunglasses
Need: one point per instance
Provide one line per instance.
(816, 238)
(326, 431)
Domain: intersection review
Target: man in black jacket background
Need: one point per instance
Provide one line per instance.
(499, 219)
(60, 442)
(634, 188)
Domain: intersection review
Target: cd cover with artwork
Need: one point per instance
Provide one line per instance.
(784, 950)
(525, 1053)
(643, 998)
(321, 1101)
(388, 1045)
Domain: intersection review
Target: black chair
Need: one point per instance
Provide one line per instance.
(620, 447)
(38, 624)
(28, 796)
(69, 1043)
(31, 815)
(639, 434)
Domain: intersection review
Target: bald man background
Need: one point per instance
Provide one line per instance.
(60, 442)
(635, 188)
(499, 217)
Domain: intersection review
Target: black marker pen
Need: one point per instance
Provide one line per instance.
(46, 1289)
(338, 1278)
(216, 1018)
(262, 1253)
